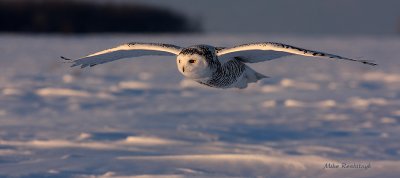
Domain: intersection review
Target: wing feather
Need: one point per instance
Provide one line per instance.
(257, 52)
(125, 51)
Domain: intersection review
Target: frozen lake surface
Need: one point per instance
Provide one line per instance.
(140, 117)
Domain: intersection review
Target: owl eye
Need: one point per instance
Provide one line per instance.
(192, 61)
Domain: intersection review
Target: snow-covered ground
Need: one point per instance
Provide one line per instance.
(140, 117)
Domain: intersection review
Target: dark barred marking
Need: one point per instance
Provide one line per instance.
(217, 49)
(280, 45)
(226, 74)
(67, 59)
(131, 44)
(200, 50)
(306, 51)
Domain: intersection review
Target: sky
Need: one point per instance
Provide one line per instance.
(361, 17)
(310, 17)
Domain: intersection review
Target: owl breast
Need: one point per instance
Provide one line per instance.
(225, 75)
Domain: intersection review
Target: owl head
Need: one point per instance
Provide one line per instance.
(197, 62)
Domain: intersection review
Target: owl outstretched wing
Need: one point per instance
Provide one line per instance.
(125, 51)
(258, 52)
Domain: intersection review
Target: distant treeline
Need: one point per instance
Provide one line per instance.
(87, 17)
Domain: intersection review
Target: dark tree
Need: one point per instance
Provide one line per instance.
(85, 17)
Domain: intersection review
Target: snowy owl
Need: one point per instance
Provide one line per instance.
(217, 67)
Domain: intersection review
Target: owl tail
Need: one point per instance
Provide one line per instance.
(253, 76)
(250, 76)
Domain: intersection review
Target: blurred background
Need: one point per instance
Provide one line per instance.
(356, 17)
(139, 117)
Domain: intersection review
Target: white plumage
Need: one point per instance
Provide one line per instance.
(218, 67)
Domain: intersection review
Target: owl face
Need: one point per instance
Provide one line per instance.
(193, 66)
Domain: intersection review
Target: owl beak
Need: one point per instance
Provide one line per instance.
(183, 69)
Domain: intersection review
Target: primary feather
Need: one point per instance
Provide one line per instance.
(258, 52)
(125, 51)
